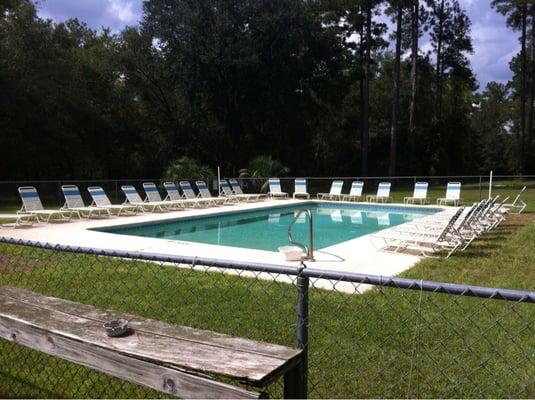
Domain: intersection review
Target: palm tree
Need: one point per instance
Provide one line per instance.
(187, 168)
(262, 167)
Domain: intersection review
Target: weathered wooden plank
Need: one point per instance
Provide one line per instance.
(154, 376)
(154, 326)
(196, 352)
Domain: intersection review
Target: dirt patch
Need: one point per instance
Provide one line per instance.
(520, 219)
(10, 263)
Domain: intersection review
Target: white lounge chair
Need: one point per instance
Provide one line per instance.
(426, 242)
(153, 196)
(355, 193)
(174, 195)
(300, 186)
(335, 193)
(31, 204)
(190, 195)
(101, 200)
(236, 188)
(19, 220)
(518, 204)
(133, 198)
(453, 195)
(383, 193)
(419, 195)
(228, 193)
(204, 193)
(275, 190)
(75, 204)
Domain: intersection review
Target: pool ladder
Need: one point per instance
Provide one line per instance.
(309, 250)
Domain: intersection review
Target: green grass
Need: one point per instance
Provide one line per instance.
(385, 343)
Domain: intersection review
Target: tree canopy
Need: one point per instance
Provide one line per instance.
(315, 86)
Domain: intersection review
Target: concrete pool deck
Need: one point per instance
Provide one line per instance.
(357, 255)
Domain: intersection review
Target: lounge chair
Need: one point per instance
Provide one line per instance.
(75, 204)
(383, 193)
(174, 195)
(101, 200)
(355, 193)
(190, 195)
(31, 205)
(447, 237)
(228, 193)
(275, 190)
(453, 195)
(300, 186)
(236, 188)
(335, 193)
(204, 193)
(518, 204)
(419, 195)
(18, 220)
(153, 196)
(133, 198)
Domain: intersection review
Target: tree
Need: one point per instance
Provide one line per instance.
(396, 8)
(516, 12)
(451, 40)
(491, 121)
(187, 168)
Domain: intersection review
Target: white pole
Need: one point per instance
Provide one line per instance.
(490, 184)
(218, 180)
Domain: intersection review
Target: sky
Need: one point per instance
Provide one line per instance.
(494, 43)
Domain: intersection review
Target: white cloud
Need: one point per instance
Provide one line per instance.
(122, 10)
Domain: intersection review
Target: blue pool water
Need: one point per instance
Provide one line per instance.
(267, 229)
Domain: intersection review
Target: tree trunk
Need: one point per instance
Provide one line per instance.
(438, 78)
(414, 58)
(521, 135)
(366, 90)
(531, 90)
(395, 95)
(361, 83)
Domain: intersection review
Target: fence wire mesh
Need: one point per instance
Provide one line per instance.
(474, 187)
(404, 338)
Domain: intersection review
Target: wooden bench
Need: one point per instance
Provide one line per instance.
(177, 360)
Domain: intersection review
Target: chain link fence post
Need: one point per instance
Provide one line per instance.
(296, 381)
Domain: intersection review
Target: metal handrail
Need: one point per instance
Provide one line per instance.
(309, 250)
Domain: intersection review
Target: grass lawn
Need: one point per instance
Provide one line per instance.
(385, 343)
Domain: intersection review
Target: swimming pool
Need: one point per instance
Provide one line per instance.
(267, 228)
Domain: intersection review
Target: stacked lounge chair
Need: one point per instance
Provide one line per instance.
(452, 233)
(518, 205)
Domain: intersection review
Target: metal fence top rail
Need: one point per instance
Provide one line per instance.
(303, 271)
(283, 177)
(392, 177)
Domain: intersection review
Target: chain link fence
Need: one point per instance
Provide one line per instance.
(474, 188)
(405, 338)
